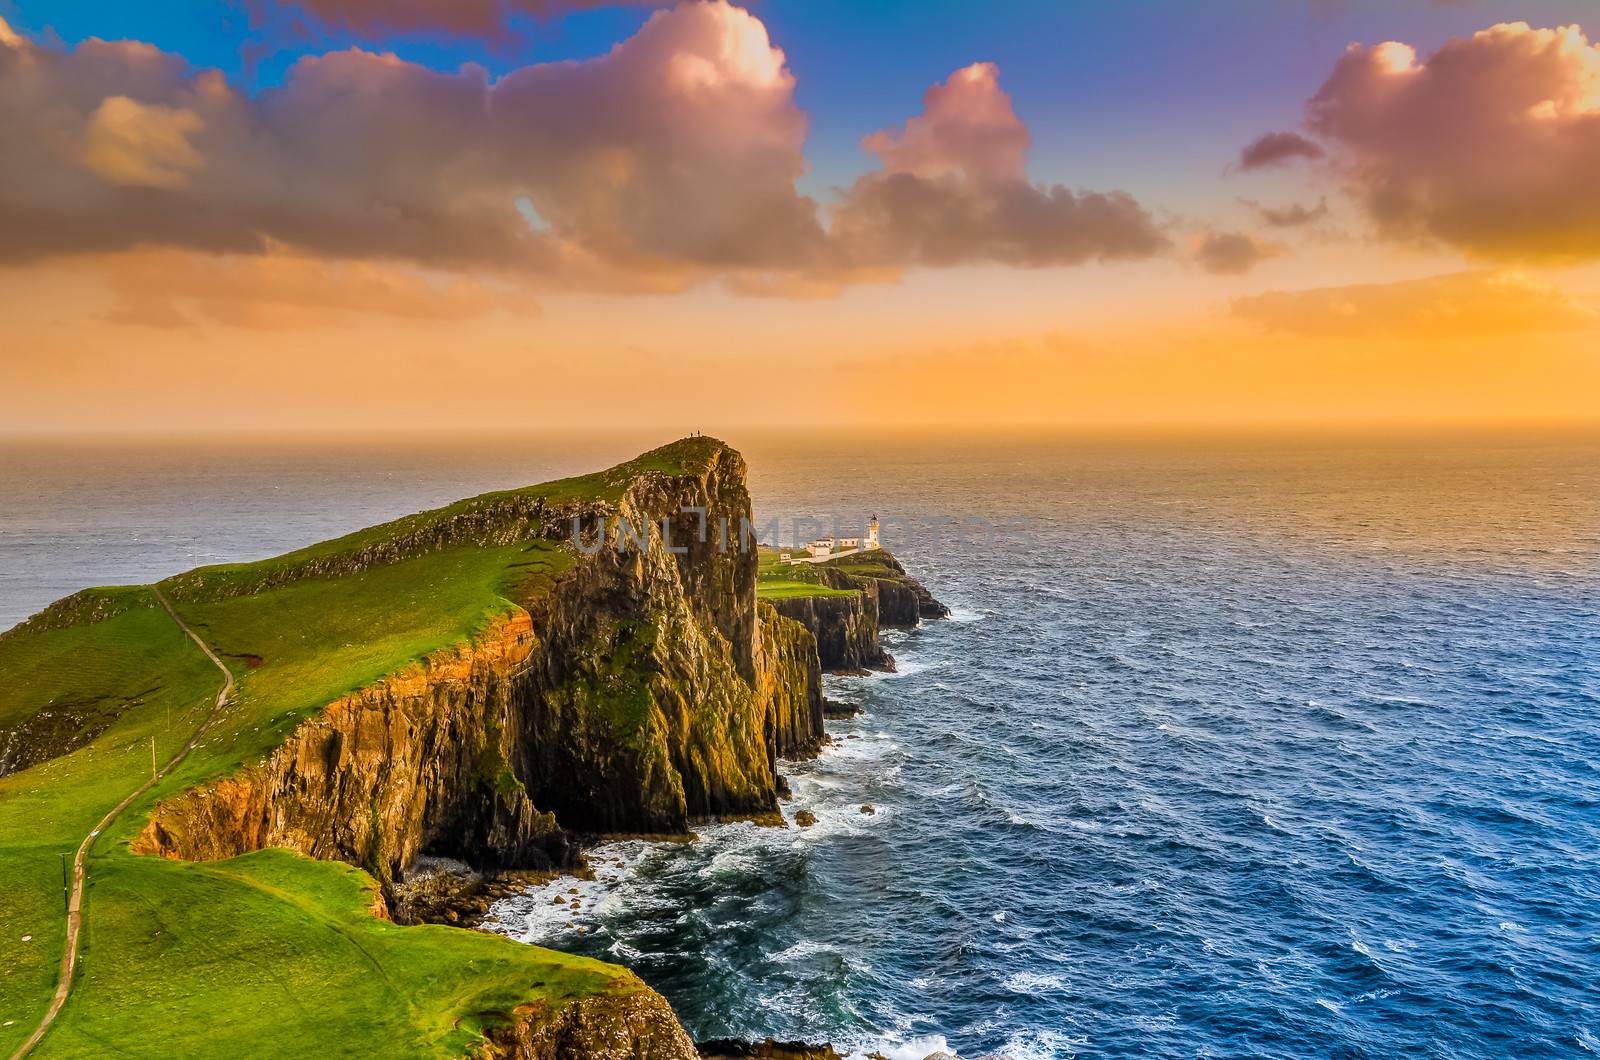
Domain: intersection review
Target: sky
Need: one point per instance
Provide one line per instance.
(445, 214)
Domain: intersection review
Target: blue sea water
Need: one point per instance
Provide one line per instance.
(1265, 748)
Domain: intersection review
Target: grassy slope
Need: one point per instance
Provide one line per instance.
(259, 955)
(777, 580)
(139, 654)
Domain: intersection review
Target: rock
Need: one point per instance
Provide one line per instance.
(837, 709)
(845, 628)
(868, 809)
(622, 1026)
(805, 818)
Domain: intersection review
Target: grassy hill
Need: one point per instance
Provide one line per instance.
(269, 953)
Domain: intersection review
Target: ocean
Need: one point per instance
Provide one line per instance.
(1260, 746)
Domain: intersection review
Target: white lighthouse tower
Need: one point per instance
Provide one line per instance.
(871, 540)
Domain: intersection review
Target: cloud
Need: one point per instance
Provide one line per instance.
(1277, 149)
(953, 188)
(1491, 144)
(1293, 215)
(672, 156)
(967, 128)
(671, 160)
(485, 18)
(1458, 305)
(128, 142)
(1232, 253)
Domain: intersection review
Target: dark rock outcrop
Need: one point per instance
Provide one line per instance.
(902, 600)
(845, 627)
(630, 1026)
(872, 590)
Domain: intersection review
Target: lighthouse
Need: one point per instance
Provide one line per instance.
(871, 540)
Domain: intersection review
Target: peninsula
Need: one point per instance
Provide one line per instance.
(247, 761)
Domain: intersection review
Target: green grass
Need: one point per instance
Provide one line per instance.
(269, 954)
(157, 684)
(777, 580)
(295, 648)
(873, 563)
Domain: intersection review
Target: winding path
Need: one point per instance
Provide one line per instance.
(69, 957)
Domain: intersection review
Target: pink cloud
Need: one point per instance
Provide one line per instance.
(1277, 149)
(1232, 253)
(670, 160)
(967, 128)
(674, 153)
(954, 188)
(1490, 144)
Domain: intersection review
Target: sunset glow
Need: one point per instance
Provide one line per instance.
(472, 216)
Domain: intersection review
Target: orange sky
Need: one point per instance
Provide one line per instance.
(1440, 304)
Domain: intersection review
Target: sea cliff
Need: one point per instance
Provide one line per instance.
(493, 682)
(845, 601)
(643, 689)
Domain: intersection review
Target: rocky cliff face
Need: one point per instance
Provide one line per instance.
(414, 762)
(641, 692)
(792, 686)
(638, 1026)
(902, 601)
(845, 628)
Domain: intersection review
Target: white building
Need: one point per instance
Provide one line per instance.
(848, 543)
(823, 546)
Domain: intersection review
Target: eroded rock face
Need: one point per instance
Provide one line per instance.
(902, 600)
(637, 1026)
(404, 765)
(845, 628)
(792, 686)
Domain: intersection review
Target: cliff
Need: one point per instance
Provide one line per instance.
(902, 601)
(637, 1026)
(638, 691)
(792, 685)
(845, 627)
(481, 682)
(844, 602)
